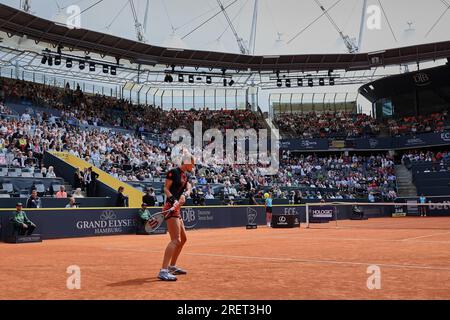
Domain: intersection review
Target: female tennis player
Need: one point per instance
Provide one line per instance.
(176, 189)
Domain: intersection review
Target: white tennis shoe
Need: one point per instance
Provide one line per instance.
(165, 275)
(176, 270)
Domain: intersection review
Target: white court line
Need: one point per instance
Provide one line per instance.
(362, 239)
(306, 261)
(372, 225)
(427, 236)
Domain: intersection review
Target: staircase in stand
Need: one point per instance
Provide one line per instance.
(405, 185)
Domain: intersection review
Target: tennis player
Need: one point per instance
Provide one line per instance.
(176, 189)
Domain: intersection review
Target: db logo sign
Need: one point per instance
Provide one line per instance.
(189, 218)
(282, 219)
(421, 79)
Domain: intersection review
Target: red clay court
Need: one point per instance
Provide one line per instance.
(323, 262)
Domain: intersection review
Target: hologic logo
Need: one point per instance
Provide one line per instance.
(322, 213)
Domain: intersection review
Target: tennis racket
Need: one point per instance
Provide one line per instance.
(156, 221)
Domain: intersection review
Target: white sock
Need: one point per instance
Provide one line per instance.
(164, 270)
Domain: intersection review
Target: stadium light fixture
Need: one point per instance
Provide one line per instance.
(310, 82)
(168, 78)
(44, 60)
(300, 82)
(57, 60)
(91, 66)
(81, 65)
(231, 82)
(180, 78)
(113, 71)
(331, 81)
(105, 69)
(288, 83)
(50, 61)
(321, 82)
(224, 82)
(191, 78)
(279, 83)
(208, 80)
(69, 63)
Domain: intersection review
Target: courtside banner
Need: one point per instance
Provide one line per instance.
(68, 223)
(325, 213)
(222, 217)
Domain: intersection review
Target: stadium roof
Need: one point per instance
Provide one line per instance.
(16, 22)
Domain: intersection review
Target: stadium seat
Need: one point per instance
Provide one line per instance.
(8, 187)
(54, 188)
(27, 175)
(40, 188)
(13, 174)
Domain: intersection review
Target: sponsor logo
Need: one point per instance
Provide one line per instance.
(308, 144)
(421, 79)
(251, 215)
(373, 143)
(290, 211)
(445, 205)
(414, 141)
(445, 136)
(108, 223)
(322, 213)
(189, 218)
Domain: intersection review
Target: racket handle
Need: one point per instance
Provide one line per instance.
(176, 206)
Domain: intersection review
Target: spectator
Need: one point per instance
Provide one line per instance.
(33, 201)
(149, 198)
(77, 179)
(51, 172)
(90, 180)
(72, 204)
(77, 193)
(44, 172)
(122, 200)
(61, 194)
